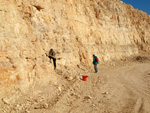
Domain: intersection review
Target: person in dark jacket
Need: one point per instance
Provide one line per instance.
(52, 55)
(95, 63)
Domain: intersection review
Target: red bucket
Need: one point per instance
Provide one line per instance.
(84, 78)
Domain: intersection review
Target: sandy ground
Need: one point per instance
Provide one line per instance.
(118, 87)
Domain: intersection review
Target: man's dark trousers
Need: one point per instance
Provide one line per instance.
(54, 61)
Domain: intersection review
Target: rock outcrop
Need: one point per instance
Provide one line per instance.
(75, 29)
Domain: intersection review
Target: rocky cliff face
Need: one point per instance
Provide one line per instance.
(75, 29)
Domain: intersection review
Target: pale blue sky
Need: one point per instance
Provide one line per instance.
(143, 5)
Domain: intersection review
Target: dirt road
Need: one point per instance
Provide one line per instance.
(116, 88)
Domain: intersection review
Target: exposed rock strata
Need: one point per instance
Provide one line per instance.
(74, 28)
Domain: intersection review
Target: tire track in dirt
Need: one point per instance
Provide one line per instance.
(137, 83)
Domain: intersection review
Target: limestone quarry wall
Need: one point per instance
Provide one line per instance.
(75, 29)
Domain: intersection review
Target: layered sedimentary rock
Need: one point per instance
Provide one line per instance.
(75, 29)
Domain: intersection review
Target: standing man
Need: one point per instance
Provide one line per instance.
(52, 56)
(95, 62)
